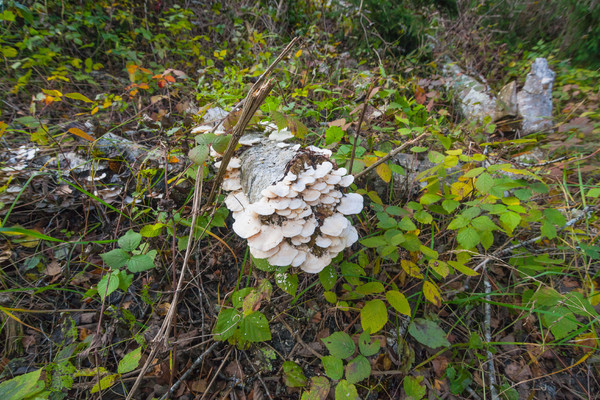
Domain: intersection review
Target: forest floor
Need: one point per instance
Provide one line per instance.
(476, 273)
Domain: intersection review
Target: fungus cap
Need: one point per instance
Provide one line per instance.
(334, 225)
(351, 203)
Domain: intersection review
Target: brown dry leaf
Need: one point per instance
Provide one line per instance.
(517, 371)
(234, 370)
(163, 309)
(199, 385)
(439, 366)
(53, 268)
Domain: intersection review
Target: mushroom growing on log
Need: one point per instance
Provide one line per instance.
(288, 203)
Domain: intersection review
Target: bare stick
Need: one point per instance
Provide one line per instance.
(190, 370)
(390, 155)
(257, 94)
(163, 332)
(360, 121)
(488, 336)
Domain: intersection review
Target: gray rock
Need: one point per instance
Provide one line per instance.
(506, 106)
(535, 100)
(474, 101)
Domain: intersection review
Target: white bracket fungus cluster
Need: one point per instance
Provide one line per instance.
(289, 205)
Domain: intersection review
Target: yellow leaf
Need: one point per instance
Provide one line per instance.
(454, 152)
(384, 172)
(3, 126)
(369, 160)
(511, 201)
(298, 53)
(78, 96)
(94, 110)
(81, 134)
(411, 269)
(432, 293)
(53, 93)
(105, 383)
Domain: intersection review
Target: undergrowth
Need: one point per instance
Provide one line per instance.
(480, 258)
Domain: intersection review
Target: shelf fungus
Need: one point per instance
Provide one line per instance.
(289, 204)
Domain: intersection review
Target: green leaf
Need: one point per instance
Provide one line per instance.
(130, 241)
(471, 212)
(140, 263)
(328, 277)
(468, 237)
(333, 366)
(339, 344)
(255, 328)
(428, 333)
(561, 322)
(319, 389)
(333, 135)
(330, 297)
(548, 230)
(458, 222)
(125, 280)
(484, 182)
(450, 205)
(199, 154)
(459, 380)
(358, 369)
(398, 301)
(365, 346)
(287, 282)
(22, 386)
(429, 198)
(373, 315)
(105, 383)
(406, 224)
(220, 143)
(370, 288)
(594, 192)
(237, 298)
(413, 388)
(352, 272)
(376, 241)
(423, 217)
(116, 258)
(293, 375)
(555, 217)
(263, 265)
(460, 267)
(227, 322)
(130, 361)
(487, 239)
(108, 284)
(474, 172)
(9, 52)
(435, 157)
(346, 391)
(152, 230)
(484, 223)
(510, 220)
